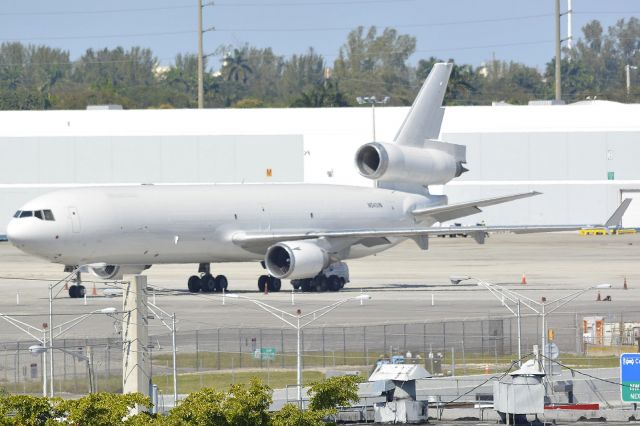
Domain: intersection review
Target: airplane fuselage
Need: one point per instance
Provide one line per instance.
(154, 224)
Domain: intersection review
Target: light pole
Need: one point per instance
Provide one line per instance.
(502, 294)
(162, 316)
(34, 332)
(75, 271)
(298, 321)
(373, 101)
(42, 349)
(542, 309)
(627, 70)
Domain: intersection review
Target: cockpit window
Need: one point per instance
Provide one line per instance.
(40, 214)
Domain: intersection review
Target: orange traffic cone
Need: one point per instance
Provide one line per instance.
(625, 283)
(486, 369)
(266, 287)
(524, 279)
(66, 285)
(94, 292)
(599, 298)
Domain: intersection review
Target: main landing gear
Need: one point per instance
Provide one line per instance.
(272, 284)
(320, 283)
(205, 281)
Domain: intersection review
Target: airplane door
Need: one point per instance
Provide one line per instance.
(75, 219)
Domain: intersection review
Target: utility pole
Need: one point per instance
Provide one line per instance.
(200, 59)
(569, 25)
(558, 42)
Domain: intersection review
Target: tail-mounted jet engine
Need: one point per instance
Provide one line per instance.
(434, 164)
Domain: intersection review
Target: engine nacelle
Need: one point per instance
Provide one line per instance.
(435, 164)
(296, 259)
(116, 272)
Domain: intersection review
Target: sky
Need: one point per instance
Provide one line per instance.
(468, 31)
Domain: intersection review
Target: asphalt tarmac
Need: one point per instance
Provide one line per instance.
(402, 283)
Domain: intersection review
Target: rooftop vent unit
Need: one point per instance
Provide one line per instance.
(398, 383)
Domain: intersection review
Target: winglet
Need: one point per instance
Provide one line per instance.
(616, 217)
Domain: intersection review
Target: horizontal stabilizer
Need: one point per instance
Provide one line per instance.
(454, 211)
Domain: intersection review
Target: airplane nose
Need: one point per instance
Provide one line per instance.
(19, 233)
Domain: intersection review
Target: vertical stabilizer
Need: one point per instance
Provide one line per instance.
(425, 117)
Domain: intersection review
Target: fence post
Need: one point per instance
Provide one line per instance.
(364, 343)
(444, 337)
(218, 345)
(510, 340)
(424, 344)
(344, 346)
(282, 346)
(404, 337)
(323, 350)
(384, 339)
(197, 351)
(482, 337)
(240, 346)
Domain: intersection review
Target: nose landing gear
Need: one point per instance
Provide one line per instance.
(76, 289)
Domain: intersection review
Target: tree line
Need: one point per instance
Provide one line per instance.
(241, 405)
(370, 62)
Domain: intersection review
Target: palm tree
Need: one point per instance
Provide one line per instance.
(237, 66)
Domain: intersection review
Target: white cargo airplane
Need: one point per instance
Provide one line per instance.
(298, 231)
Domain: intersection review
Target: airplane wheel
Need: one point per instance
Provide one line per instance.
(334, 283)
(194, 284)
(74, 291)
(274, 284)
(342, 282)
(305, 285)
(81, 291)
(295, 284)
(320, 283)
(221, 283)
(208, 283)
(263, 281)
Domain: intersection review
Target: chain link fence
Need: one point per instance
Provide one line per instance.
(446, 347)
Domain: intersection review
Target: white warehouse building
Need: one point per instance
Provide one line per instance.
(583, 157)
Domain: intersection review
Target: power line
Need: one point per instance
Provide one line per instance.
(425, 25)
(189, 6)
(96, 12)
(298, 29)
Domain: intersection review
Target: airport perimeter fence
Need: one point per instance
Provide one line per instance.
(446, 347)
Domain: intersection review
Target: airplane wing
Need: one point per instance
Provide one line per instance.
(454, 211)
(370, 236)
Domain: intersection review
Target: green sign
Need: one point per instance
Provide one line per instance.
(265, 353)
(630, 377)
(611, 175)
